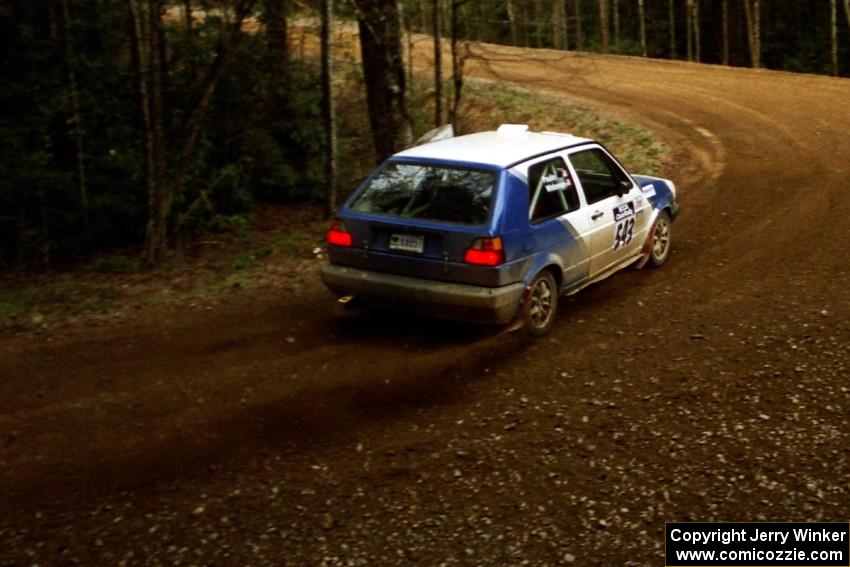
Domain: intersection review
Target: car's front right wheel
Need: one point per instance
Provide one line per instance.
(662, 237)
(541, 305)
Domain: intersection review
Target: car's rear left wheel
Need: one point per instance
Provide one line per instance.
(542, 304)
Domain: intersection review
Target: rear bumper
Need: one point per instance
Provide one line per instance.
(476, 304)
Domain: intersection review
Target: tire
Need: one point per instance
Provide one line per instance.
(662, 238)
(542, 304)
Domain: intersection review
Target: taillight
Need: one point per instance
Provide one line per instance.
(485, 252)
(338, 235)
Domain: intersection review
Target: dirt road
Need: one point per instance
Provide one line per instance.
(270, 431)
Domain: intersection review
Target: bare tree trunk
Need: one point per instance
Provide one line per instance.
(604, 31)
(512, 21)
(328, 117)
(757, 29)
(671, 14)
(725, 9)
(525, 23)
(642, 18)
(21, 228)
(689, 28)
(753, 15)
(579, 37)
(697, 39)
(78, 123)
(557, 25)
(276, 33)
(410, 48)
(140, 64)
(187, 16)
(163, 205)
(438, 65)
(142, 61)
(538, 23)
(847, 12)
(565, 28)
(834, 23)
(189, 25)
(616, 11)
(404, 24)
(423, 16)
(383, 68)
(748, 13)
(43, 229)
(44, 224)
(477, 13)
(457, 68)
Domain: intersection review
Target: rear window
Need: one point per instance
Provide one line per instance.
(429, 192)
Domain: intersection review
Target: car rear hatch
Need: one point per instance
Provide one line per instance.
(419, 220)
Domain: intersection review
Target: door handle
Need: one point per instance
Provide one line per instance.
(596, 215)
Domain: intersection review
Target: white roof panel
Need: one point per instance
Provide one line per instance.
(503, 148)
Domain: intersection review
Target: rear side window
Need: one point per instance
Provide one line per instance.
(600, 177)
(429, 192)
(551, 190)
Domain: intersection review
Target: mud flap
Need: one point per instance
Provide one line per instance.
(522, 316)
(647, 249)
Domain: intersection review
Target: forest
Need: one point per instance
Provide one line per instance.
(138, 124)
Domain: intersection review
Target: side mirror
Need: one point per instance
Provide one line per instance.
(623, 187)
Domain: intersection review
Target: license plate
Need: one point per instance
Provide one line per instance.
(407, 242)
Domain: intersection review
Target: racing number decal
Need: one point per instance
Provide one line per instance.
(624, 230)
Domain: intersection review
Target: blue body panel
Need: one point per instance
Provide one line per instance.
(445, 243)
(549, 243)
(663, 195)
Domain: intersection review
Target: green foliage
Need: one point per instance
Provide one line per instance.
(116, 264)
(237, 224)
(285, 246)
(261, 140)
(71, 291)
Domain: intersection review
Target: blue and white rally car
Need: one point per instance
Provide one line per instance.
(493, 227)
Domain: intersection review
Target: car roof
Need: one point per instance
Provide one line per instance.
(509, 145)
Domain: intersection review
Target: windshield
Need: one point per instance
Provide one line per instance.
(429, 192)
